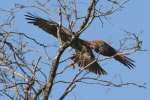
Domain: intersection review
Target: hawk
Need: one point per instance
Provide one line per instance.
(84, 55)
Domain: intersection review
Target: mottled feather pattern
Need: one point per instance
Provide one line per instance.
(84, 60)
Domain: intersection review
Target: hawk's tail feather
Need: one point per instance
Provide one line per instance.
(125, 60)
(88, 64)
(96, 69)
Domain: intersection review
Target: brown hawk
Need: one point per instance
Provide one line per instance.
(83, 56)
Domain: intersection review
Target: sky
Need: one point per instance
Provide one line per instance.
(133, 18)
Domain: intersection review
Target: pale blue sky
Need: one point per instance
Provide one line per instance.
(133, 18)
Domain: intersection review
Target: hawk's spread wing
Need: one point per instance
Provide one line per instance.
(49, 26)
(105, 49)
